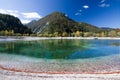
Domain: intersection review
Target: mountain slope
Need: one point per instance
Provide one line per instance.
(85, 27)
(59, 22)
(8, 22)
(33, 22)
(55, 22)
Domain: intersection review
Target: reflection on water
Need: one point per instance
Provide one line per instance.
(115, 44)
(61, 49)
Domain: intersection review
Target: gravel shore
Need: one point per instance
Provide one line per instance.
(14, 67)
(5, 75)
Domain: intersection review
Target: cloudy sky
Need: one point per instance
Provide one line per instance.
(102, 13)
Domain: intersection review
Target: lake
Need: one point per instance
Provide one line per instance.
(61, 55)
(62, 49)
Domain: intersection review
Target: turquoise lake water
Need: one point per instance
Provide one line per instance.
(61, 49)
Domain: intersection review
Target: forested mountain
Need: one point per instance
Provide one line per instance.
(55, 24)
(85, 27)
(8, 22)
(59, 22)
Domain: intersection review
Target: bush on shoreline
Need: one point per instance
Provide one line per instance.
(64, 34)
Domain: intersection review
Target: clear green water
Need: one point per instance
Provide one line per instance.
(62, 49)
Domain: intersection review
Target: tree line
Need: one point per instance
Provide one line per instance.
(112, 33)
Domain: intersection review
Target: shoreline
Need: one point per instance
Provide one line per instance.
(26, 38)
(16, 75)
(19, 75)
(72, 38)
(16, 68)
(27, 71)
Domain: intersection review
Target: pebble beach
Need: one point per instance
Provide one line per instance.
(25, 68)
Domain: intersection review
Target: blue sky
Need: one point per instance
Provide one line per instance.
(101, 13)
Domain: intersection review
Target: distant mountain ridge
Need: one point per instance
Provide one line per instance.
(59, 22)
(31, 23)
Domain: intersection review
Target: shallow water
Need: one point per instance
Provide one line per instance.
(80, 56)
(62, 49)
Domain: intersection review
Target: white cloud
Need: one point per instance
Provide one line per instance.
(31, 15)
(86, 6)
(25, 21)
(24, 17)
(104, 5)
(102, 1)
(80, 10)
(3, 11)
(66, 15)
(11, 12)
(77, 14)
